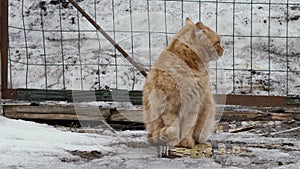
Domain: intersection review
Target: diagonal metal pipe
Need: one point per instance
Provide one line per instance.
(116, 45)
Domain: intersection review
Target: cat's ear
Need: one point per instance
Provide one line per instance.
(199, 29)
(188, 21)
(199, 26)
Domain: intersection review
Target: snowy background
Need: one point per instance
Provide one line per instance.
(53, 47)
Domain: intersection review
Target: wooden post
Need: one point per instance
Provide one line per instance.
(4, 44)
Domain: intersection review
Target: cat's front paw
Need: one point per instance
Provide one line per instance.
(187, 142)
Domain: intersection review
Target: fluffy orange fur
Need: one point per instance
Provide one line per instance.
(178, 104)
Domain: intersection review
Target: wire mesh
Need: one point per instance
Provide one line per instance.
(52, 46)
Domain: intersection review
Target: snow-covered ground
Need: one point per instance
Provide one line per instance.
(30, 145)
(26, 145)
(79, 58)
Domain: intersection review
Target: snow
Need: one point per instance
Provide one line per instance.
(27, 144)
(31, 145)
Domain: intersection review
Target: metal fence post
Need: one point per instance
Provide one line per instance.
(4, 43)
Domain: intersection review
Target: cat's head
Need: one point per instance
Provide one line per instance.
(201, 31)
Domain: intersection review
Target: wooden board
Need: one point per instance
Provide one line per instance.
(55, 112)
(92, 113)
(210, 149)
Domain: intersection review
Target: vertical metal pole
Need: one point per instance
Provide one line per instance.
(4, 43)
(287, 47)
(0, 48)
(233, 47)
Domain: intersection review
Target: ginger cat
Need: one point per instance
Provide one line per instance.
(178, 104)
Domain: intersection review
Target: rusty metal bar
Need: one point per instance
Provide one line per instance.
(252, 100)
(117, 46)
(4, 44)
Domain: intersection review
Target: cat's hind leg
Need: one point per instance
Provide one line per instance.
(167, 133)
(164, 136)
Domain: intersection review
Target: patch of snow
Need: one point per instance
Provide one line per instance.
(30, 145)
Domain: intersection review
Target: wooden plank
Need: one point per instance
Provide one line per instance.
(254, 116)
(137, 116)
(31, 116)
(55, 112)
(92, 113)
(214, 148)
(127, 115)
